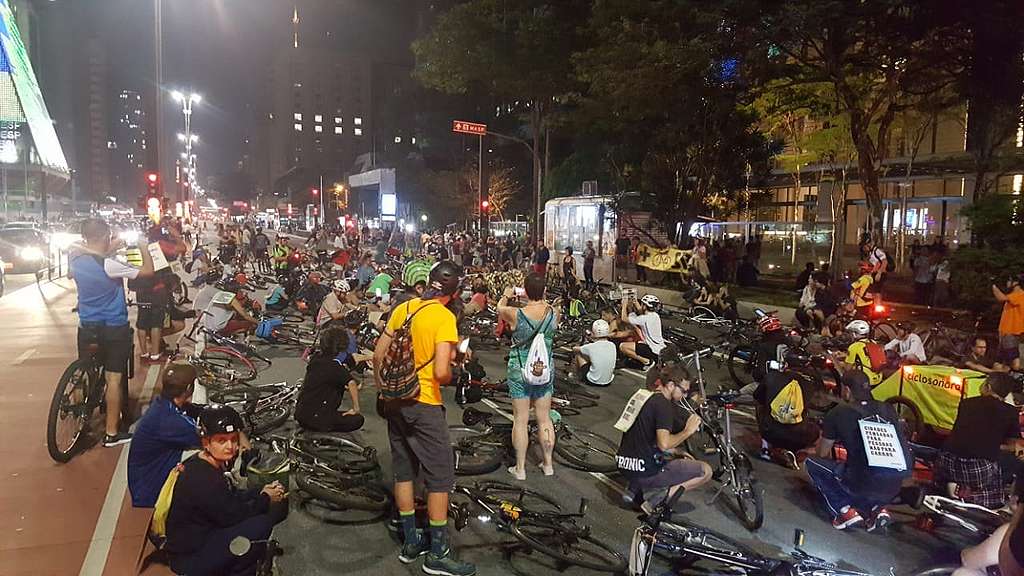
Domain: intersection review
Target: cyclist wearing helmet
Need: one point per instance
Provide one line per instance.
(207, 512)
(860, 294)
(863, 354)
(771, 347)
(414, 277)
(645, 318)
(595, 361)
(906, 347)
(312, 293)
(336, 304)
(417, 429)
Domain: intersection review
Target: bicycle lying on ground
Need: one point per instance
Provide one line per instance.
(684, 543)
(539, 524)
(263, 408)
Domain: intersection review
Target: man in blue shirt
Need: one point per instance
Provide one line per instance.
(366, 271)
(103, 313)
(166, 429)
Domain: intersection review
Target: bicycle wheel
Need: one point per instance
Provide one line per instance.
(749, 501)
(938, 570)
(883, 332)
(228, 364)
(342, 456)
(69, 410)
(569, 544)
(585, 450)
(294, 336)
(741, 364)
(475, 452)
(356, 495)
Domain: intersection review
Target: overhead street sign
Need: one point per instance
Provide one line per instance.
(469, 128)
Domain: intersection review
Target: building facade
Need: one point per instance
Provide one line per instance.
(127, 145)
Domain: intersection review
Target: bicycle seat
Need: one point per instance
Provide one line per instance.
(924, 453)
(724, 397)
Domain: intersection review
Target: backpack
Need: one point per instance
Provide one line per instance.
(788, 405)
(265, 329)
(876, 355)
(537, 367)
(158, 526)
(399, 374)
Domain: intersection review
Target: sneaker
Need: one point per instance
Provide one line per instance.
(119, 438)
(766, 454)
(647, 367)
(879, 520)
(411, 551)
(447, 566)
(847, 519)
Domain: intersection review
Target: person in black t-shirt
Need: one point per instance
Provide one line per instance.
(654, 432)
(327, 379)
(207, 512)
(852, 487)
(971, 455)
(781, 441)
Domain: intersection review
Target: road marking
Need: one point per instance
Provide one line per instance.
(24, 356)
(103, 535)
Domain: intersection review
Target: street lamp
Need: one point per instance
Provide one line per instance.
(423, 217)
(188, 137)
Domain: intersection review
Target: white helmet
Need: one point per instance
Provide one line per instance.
(600, 329)
(341, 286)
(858, 328)
(650, 300)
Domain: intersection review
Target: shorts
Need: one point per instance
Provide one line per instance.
(236, 325)
(115, 345)
(644, 351)
(519, 390)
(674, 473)
(151, 315)
(420, 445)
(1009, 349)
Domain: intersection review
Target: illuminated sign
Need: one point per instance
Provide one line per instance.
(388, 205)
(473, 128)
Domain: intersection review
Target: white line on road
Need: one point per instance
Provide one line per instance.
(103, 535)
(24, 356)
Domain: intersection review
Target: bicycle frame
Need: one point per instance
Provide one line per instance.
(940, 504)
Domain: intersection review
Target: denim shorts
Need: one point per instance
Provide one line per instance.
(518, 390)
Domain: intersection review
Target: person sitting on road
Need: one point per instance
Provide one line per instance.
(782, 420)
(618, 331)
(365, 272)
(972, 454)
(770, 350)
(478, 301)
(906, 347)
(654, 431)
(335, 306)
(166, 429)
(864, 354)
(311, 295)
(643, 316)
(327, 379)
(853, 489)
(381, 285)
(277, 301)
(595, 361)
(219, 308)
(207, 512)
(805, 308)
(824, 302)
(980, 360)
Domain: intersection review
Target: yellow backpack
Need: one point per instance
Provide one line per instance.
(788, 405)
(158, 526)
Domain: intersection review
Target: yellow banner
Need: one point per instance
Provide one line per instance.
(664, 259)
(934, 390)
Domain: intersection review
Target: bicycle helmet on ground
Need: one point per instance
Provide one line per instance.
(219, 419)
(446, 277)
(650, 301)
(600, 329)
(858, 328)
(341, 286)
(769, 323)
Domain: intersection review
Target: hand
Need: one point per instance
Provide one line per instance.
(692, 423)
(352, 412)
(274, 491)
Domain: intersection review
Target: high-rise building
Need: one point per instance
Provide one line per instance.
(92, 126)
(128, 150)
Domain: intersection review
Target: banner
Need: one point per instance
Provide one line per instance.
(934, 390)
(664, 259)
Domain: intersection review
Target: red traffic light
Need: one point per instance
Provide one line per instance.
(485, 204)
(152, 177)
(315, 191)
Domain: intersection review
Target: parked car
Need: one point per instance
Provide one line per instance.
(23, 250)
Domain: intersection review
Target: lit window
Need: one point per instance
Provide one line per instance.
(298, 116)
(398, 139)
(338, 130)
(413, 139)
(358, 131)
(318, 118)
(359, 121)
(318, 128)
(337, 120)
(298, 127)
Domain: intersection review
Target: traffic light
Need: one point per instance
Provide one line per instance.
(152, 180)
(485, 205)
(154, 200)
(315, 191)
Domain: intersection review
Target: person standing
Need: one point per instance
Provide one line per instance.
(940, 295)
(589, 255)
(281, 253)
(541, 256)
(1011, 321)
(260, 244)
(417, 428)
(103, 314)
(535, 318)
(568, 269)
(924, 276)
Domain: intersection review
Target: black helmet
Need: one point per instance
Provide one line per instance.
(219, 419)
(355, 318)
(446, 277)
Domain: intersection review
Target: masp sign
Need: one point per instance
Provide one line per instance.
(469, 128)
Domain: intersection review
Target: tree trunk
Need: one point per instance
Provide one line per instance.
(868, 176)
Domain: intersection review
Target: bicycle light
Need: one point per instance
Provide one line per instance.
(485, 518)
(908, 370)
(879, 309)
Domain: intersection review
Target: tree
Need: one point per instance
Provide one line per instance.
(515, 51)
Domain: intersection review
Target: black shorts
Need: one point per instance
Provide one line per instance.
(151, 315)
(644, 351)
(420, 445)
(115, 345)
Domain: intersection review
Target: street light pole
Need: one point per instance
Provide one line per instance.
(322, 200)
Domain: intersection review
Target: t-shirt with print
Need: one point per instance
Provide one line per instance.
(1012, 319)
(431, 325)
(601, 355)
(649, 324)
(638, 454)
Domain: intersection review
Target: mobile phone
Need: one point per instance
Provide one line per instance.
(519, 291)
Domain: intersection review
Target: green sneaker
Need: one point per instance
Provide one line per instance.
(447, 566)
(411, 551)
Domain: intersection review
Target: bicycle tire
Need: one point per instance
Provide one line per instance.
(540, 537)
(228, 364)
(260, 421)
(475, 452)
(883, 332)
(592, 451)
(356, 495)
(750, 504)
(270, 419)
(685, 534)
(741, 364)
(57, 403)
(938, 570)
(343, 457)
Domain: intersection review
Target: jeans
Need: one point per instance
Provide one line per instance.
(827, 477)
(588, 275)
(216, 559)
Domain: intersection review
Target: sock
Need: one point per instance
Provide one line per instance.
(439, 537)
(408, 520)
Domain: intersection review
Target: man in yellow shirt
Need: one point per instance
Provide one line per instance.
(1011, 322)
(417, 429)
(857, 354)
(859, 290)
